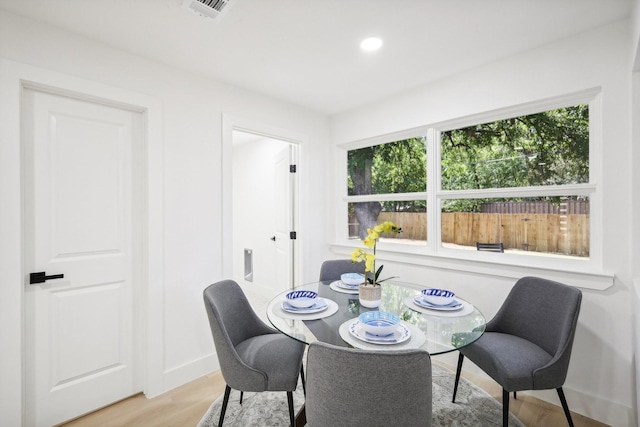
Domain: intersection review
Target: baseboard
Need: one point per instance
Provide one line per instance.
(190, 371)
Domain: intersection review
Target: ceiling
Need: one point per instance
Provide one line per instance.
(306, 51)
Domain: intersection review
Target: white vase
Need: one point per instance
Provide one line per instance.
(370, 295)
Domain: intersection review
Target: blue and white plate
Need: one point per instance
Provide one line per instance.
(319, 305)
(453, 305)
(400, 335)
(352, 279)
(379, 323)
(437, 296)
(301, 298)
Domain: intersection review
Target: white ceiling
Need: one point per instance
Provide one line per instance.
(306, 51)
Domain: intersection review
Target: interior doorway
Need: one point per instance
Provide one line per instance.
(264, 184)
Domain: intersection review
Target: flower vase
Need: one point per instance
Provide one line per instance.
(370, 295)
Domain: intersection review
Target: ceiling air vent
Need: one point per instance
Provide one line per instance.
(213, 9)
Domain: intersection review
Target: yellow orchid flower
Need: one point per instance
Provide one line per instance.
(373, 234)
(369, 263)
(357, 255)
(369, 242)
(390, 227)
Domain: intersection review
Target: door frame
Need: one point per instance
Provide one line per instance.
(232, 123)
(14, 77)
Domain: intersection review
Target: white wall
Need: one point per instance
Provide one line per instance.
(191, 131)
(601, 381)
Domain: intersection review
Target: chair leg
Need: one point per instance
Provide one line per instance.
(514, 395)
(304, 385)
(241, 396)
(458, 370)
(563, 400)
(292, 416)
(225, 400)
(505, 408)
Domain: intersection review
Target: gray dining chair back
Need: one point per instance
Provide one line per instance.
(332, 269)
(252, 356)
(353, 387)
(527, 345)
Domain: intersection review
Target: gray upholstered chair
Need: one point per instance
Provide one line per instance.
(252, 356)
(332, 269)
(527, 345)
(352, 387)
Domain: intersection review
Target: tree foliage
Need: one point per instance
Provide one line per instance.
(548, 148)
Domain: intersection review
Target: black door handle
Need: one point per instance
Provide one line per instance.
(40, 277)
(273, 238)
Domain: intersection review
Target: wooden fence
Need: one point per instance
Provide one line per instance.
(538, 207)
(552, 233)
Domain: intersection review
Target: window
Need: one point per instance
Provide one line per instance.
(522, 180)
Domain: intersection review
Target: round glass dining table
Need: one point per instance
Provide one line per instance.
(437, 331)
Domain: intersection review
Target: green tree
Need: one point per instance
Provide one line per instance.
(395, 167)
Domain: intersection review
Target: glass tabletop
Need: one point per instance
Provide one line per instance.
(435, 331)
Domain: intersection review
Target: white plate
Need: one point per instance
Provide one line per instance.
(335, 287)
(401, 335)
(315, 308)
(341, 284)
(418, 338)
(275, 307)
(464, 311)
(455, 305)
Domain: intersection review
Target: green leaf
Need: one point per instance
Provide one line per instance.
(378, 272)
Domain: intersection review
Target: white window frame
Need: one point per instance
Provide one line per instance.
(586, 272)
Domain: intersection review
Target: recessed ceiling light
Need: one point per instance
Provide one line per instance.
(371, 43)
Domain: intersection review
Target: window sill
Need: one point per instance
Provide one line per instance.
(572, 272)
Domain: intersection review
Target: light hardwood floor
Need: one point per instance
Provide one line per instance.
(181, 407)
(185, 405)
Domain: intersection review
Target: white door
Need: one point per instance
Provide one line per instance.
(284, 219)
(79, 222)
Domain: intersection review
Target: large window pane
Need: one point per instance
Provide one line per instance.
(549, 225)
(548, 148)
(411, 216)
(391, 168)
(394, 167)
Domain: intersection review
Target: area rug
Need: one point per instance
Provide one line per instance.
(473, 407)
